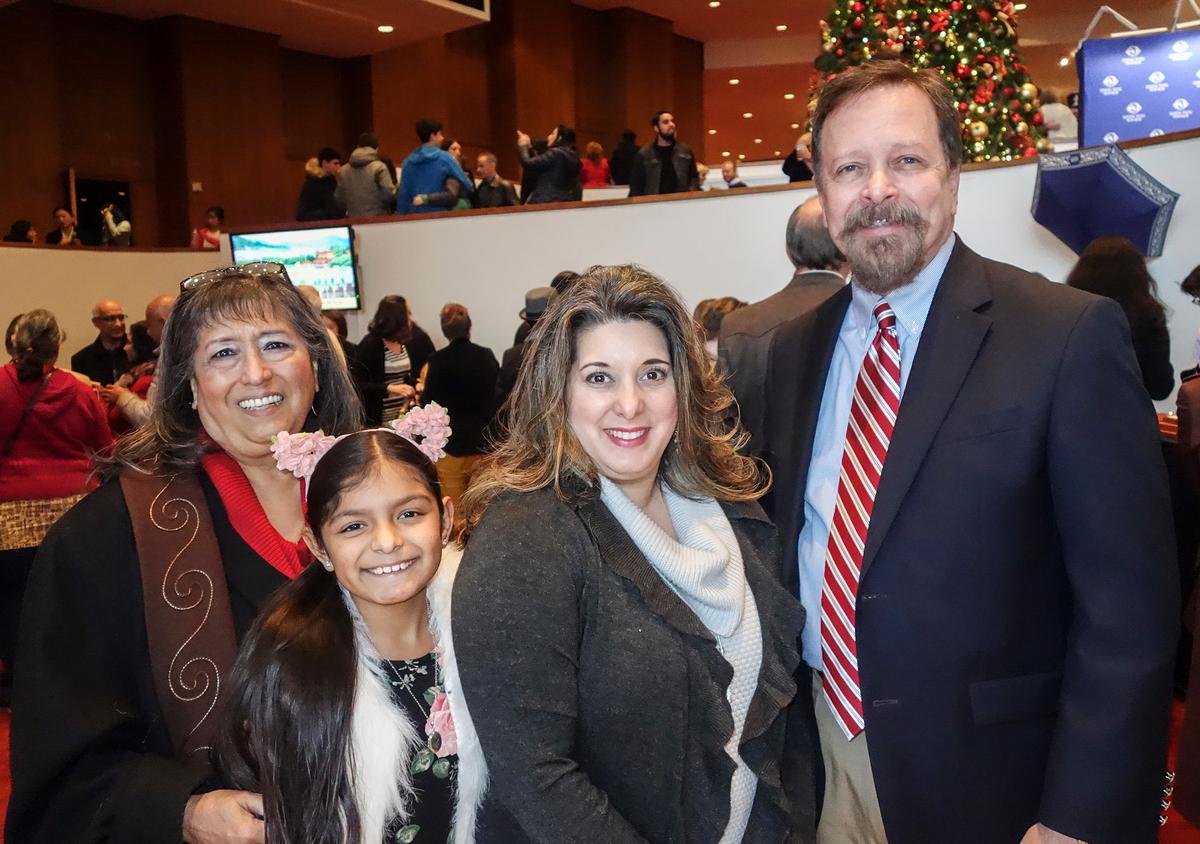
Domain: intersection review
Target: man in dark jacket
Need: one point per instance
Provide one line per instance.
(317, 200)
(666, 165)
(798, 165)
(620, 163)
(462, 379)
(492, 191)
(105, 359)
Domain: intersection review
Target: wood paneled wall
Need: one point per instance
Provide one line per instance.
(175, 102)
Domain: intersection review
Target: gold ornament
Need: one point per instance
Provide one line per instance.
(1044, 145)
(979, 130)
(977, 146)
(1028, 91)
(1022, 128)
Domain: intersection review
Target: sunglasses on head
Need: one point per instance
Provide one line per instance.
(258, 269)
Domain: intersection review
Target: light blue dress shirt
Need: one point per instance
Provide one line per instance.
(911, 304)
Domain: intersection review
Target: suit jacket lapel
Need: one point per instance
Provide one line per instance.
(799, 364)
(950, 341)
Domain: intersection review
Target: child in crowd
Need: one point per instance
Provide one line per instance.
(344, 710)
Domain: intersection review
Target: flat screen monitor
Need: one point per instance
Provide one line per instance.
(323, 258)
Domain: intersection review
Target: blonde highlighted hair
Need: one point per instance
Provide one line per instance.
(539, 449)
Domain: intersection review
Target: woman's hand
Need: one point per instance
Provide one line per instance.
(404, 391)
(419, 199)
(224, 817)
(522, 139)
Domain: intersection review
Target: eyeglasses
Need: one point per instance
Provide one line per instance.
(258, 269)
(110, 318)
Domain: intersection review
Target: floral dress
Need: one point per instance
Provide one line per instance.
(418, 688)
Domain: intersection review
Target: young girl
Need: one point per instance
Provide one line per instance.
(344, 709)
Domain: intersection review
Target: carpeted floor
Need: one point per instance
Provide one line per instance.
(1176, 830)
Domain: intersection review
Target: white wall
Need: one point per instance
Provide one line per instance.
(714, 245)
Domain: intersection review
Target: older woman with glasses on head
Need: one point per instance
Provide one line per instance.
(140, 593)
(625, 648)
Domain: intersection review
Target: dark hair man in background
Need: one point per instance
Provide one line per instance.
(666, 165)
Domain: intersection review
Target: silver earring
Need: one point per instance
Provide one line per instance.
(316, 377)
(328, 564)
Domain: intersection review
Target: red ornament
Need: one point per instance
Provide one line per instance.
(1009, 90)
(857, 7)
(985, 16)
(956, 6)
(964, 108)
(858, 22)
(1029, 152)
(840, 52)
(1015, 105)
(962, 71)
(1036, 120)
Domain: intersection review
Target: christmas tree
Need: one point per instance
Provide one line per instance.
(971, 43)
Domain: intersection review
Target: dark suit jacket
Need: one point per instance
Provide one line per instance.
(601, 697)
(1018, 604)
(795, 169)
(462, 379)
(368, 371)
(100, 364)
(746, 335)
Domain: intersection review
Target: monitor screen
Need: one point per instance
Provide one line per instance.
(323, 258)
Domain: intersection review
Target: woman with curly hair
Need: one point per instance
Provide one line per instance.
(624, 645)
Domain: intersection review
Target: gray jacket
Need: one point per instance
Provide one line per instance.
(365, 186)
(599, 697)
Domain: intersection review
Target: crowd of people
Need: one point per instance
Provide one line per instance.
(698, 559)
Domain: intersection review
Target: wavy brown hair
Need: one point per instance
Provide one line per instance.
(539, 449)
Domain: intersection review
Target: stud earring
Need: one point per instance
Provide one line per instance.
(328, 564)
(316, 377)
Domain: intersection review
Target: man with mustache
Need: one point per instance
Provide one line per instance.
(985, 558)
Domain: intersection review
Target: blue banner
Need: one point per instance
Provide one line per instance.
(1138, 87)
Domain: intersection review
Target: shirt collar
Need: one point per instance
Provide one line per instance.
(910, 302)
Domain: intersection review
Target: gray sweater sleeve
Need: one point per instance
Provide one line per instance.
(518, 618)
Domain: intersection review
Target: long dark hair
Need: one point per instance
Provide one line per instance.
(287, 725)
(171, 439)
(1113, 266)
(391, 321)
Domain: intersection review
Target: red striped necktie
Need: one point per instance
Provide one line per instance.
(872, 418)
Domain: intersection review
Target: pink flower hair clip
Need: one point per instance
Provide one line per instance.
(299, 453)
(428, 428)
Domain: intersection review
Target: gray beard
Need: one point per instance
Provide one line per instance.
(883, 264)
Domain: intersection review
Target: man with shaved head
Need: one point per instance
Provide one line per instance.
(105, 359)
(133, 392)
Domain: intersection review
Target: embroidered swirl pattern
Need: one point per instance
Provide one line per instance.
(190, 678)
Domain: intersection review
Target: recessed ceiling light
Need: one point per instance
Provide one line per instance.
(387, 28)
(735, 81)
(795, 125)
(1020, 7)
(713, 4)
(789, 96)
(741, 156)
(1064, 61)
(776, 153)
(712, 131)
(758, 140)
(726, 153)
(747, 114)
(781, 27)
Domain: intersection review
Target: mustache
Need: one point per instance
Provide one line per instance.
(890, 213)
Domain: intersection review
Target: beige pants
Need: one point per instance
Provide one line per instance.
(454, 474)
(850, 812)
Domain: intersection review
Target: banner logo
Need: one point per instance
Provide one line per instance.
(1181, 51)
(1158, 82)
(1182, 109)
(1111, 137)
(1110, 86)
(1156, 133)
(1133, 113)
(1133, 55)
(1196, 81)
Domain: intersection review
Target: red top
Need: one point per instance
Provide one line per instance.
(249, 519)
(52, 455)
(594, 175)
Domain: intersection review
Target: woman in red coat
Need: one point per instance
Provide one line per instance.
(51, 425)
(595, 173)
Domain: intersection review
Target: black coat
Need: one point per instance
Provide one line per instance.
(1152, 345)
(620, 163)
(557, 173)
(102, 365)
(462, 379)
(91, 757)
(795, 169)
(600, 696)
(368, 370)
(647, 171)
(316, 200)
(1018, 604)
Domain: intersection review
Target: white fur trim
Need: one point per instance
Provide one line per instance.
(472, 767)
(382, 741)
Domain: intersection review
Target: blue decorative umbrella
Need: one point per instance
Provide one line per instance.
(1088, 193)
